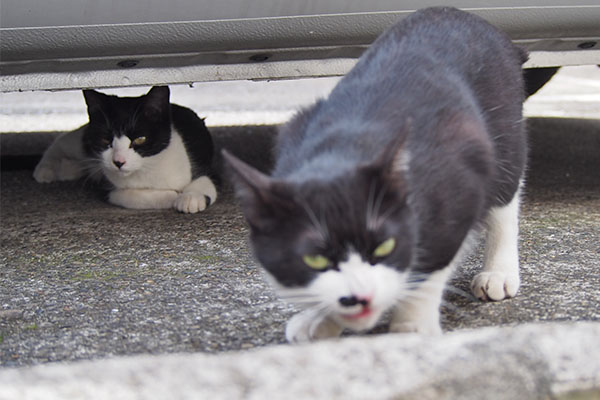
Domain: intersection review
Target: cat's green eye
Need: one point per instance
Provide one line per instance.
(316, 261)
(138, 141)
(385, 248)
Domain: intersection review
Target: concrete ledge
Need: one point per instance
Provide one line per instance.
(530, 361)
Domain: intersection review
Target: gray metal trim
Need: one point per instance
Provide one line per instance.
(73, 57)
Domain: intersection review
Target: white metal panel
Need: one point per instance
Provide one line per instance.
(36, 13)
(80, 56)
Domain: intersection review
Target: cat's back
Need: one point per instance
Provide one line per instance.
(437, 62)
(462, 40)
(196, 138)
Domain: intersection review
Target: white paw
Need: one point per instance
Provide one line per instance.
(142, 199)
(423, 327)
(196, 196)
(309, 325)
(298, 329)
(191, 202)
(44, 173)
(494, 285)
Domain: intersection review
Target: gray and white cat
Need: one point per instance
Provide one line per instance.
(153, 153)
(379, 190)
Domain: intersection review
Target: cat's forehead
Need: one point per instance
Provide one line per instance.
(119, 108)
(121, 141)
(124, 104)
(346, 200)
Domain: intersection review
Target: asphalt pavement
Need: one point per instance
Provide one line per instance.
(81, 279)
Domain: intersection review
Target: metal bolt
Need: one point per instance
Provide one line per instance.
(260, 57)
(128, 63)
(586, 45)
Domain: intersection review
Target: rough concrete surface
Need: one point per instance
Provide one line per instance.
(83, 280)
(529, 361)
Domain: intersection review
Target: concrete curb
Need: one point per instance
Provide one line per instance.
(531, 361)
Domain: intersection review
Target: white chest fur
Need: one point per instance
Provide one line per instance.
(126, 169)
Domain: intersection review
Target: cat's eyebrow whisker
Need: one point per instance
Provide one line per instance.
(317, 224)
(106, 118)
(371, 222)
(135, 116)
(389, 211)
(373, 206)
(494, 108)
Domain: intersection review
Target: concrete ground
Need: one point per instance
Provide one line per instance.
(83, 280)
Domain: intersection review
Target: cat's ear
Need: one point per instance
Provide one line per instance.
(95, 103)
(394, 162)
(264, 201)
(157, 100)
(396, 156)
(93, 98)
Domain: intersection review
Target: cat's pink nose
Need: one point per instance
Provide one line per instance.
(119, 164)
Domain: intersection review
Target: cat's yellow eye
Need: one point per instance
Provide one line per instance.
(385, 248)
(138, 141)
(316, 261)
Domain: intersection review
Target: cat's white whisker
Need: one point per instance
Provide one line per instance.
(317, 223)
(374, 219)
(371, 217)
(302, 300)
(460, 292)
(92, 170)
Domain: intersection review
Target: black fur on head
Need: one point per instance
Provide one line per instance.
(111, 116)
(354, 213)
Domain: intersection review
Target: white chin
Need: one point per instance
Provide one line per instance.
(118, 172)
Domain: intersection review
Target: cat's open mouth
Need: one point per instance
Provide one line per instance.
(364, 313)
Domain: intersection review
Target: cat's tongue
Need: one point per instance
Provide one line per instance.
(365, 312)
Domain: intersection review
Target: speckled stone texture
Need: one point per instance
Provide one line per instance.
(83, 280)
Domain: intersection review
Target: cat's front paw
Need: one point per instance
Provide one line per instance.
(309, 325)
(191, 203)
(430, 328)
(196, 196)
(44, 173)
(494, 285)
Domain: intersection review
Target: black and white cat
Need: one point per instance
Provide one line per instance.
(154, 154)
(379, 189)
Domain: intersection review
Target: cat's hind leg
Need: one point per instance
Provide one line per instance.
(499, 278)
(52, 170)
(196, 196)
(63, 160)
(143, 198)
